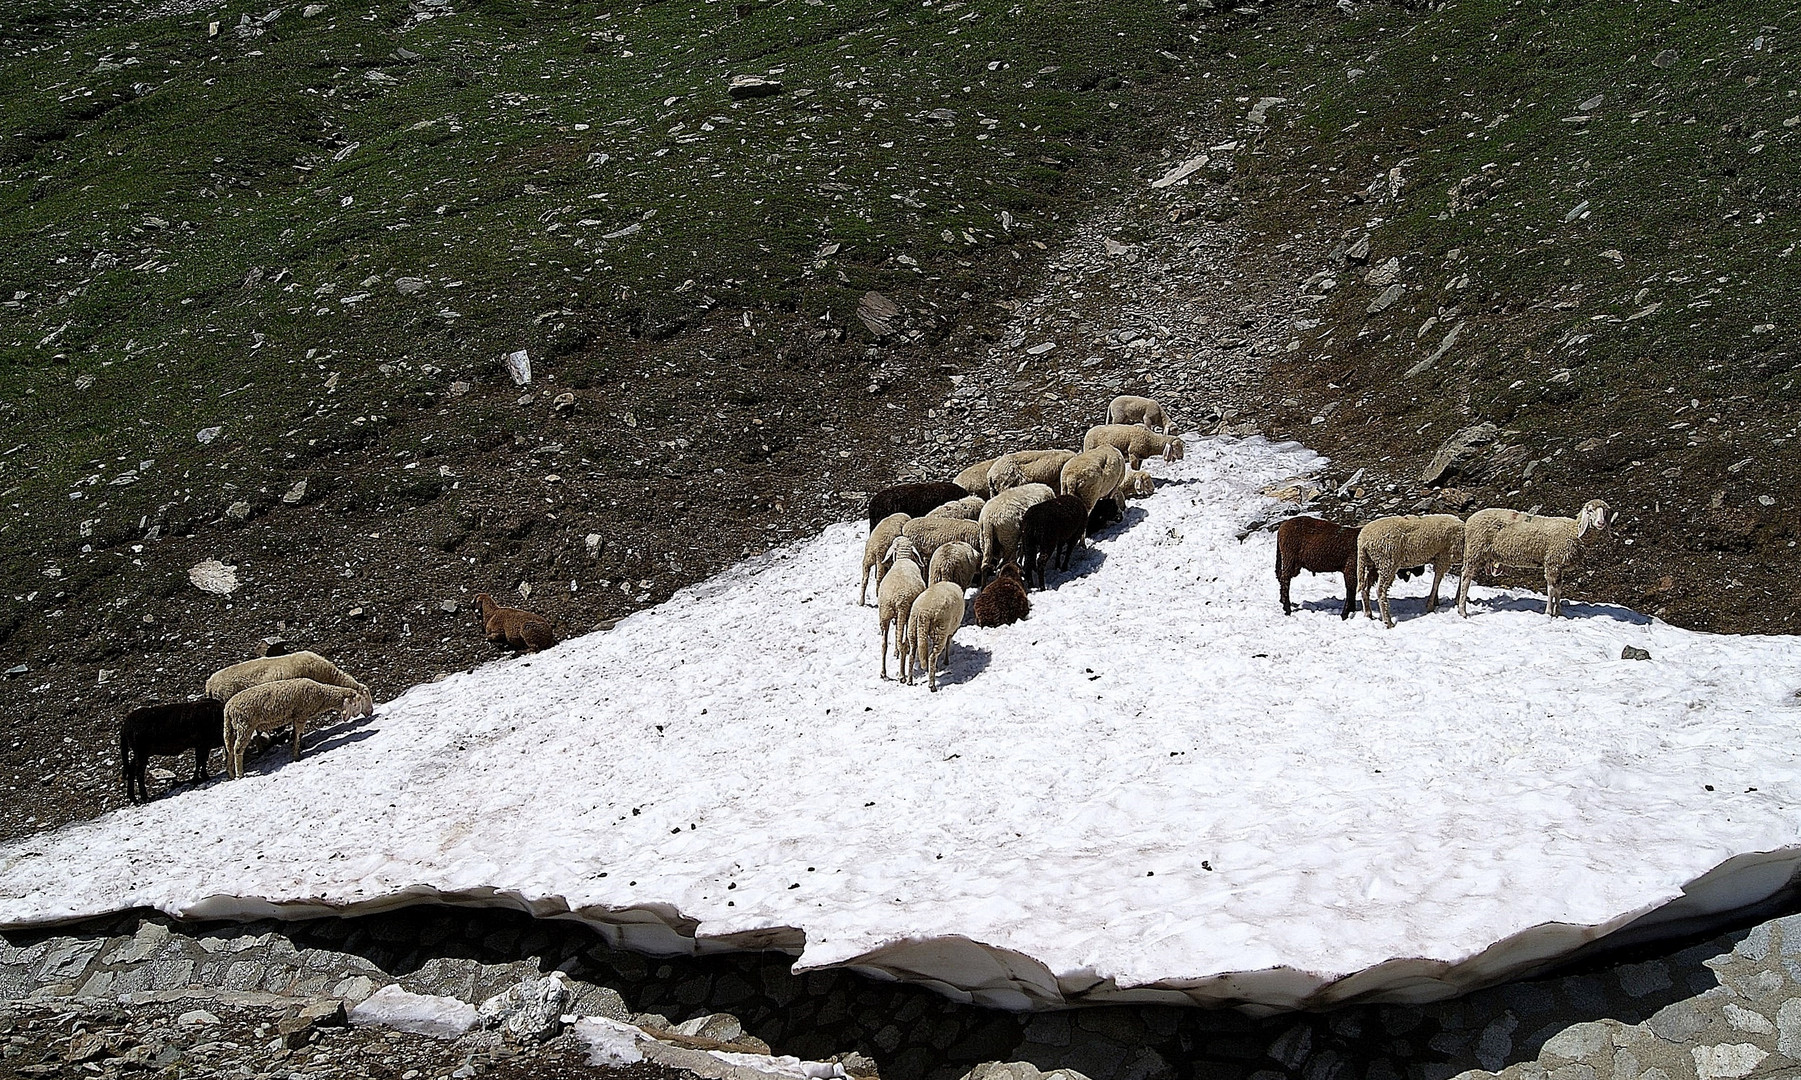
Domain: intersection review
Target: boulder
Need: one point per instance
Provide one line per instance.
(1457, 452)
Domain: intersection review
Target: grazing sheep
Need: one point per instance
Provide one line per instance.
(914, 500)
(955, 562)
(272, 705)
(1387, 545)
(1137, 484)
(974, 479)
(968, 508)
(1494, 539)
(1322, 547)
(894, 597)
(1126, 409)
(1004, 599)
(171, 728)
(1106, 512)
(514, 627)
(875, 548)
(928, 534)
(1000, 523)
(228, 682)
(1136, 442)
(1026, 467)
(934, 620)
(1093, 475)
(1052, 528)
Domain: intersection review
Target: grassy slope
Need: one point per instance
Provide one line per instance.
(1645, 350)
(209, 229)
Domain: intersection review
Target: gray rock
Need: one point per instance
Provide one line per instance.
(1458, 451)
(752, 86)
(1639, 980)
(530, 1012)
(721, 1026)
(1728, 1061)
(1665, 59)
(407, 286)
(1788, 1029)
(1578, 1043)
(1632, 653)
(1677, 1023)
(1384, 275)
(238, 511)
(1358, 252)
(877, 313)
(295, 494)
(1386, 298)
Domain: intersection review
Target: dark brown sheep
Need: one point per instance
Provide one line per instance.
(513, 627)
(1312, 544)
(171, 728)
(1053, 528)
(1004, 599)
(1309, 543)
(913, 500)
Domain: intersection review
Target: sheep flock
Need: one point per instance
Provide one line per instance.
(1036, 507)
(997, 528)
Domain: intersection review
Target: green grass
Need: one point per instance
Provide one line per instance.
(201, 231)
(1686, 168)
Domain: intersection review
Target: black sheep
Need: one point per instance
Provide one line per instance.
(171, 728)
(1107, 512)
(913, 500)
(1054, 527)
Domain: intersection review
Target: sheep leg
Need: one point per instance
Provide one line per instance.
(1553, 591)
(1350, 593)
(1464, 577)
(1438, 575)
(932, 660)
(884, 649)
(200, 755)
(1364, 566)
(863, 589)
(1288, 608)
(1388, 578)
(298, 725)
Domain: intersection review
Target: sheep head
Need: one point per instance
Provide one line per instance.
(352, 703)
(901, 548)
(1595, 517)
(363, 704)
(1174, 449)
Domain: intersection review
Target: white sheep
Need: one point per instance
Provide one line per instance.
(894, 597)
(1000, 523)
(1093, 475)
(1388, 545)
(934, 620)
(968, 508)
(1026, 467)
(975, 478)
(955, 562)
(227, 683)
(928, 534)
(1493, 539)
(1137, 484)
(1136, 442)
(278, 704)
(1126, 409)
(875, 548)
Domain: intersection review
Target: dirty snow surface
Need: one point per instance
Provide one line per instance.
(1156, 788)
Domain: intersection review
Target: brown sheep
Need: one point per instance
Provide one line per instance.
(515, 628)
(1004, 599)
(1322, 547)
(171, 728)
(1053, 528)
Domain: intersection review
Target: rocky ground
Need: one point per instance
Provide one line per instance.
(141, 996)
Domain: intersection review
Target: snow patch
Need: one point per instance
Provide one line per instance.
(1157, 788)
(422, 1014)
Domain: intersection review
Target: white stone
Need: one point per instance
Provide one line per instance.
(421, 1014)
(1728, 1061)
